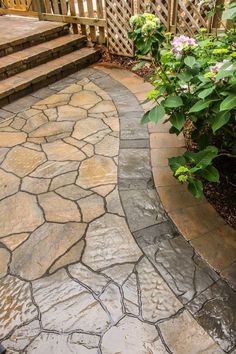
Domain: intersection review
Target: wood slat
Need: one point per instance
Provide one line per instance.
(82, 14)
(101, 36)
(73, 13)
(74, 19)
(92, 29)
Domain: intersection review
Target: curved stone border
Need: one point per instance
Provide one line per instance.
(196, 285)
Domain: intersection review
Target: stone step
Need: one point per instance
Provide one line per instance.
(32, 79)
(39, 33)
(39, 54)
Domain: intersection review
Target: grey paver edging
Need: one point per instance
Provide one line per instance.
(196, 285)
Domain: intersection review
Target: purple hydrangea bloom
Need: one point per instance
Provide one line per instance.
(215, 68)
(182, 42)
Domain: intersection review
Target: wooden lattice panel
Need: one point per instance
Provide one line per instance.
(118, 13)
(160, 8)
(21, 5)
(190, 17)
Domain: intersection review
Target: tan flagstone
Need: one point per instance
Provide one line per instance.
(72, 89)
(131, 336)
(37, 140)
(51, 113)
(184, 335)
(86, 127)
(108, 242)
(71, 256)
(119, 273)
(35, 185)
(73, 192)
(52, 128)
(74, 142)
(35, 122)
(51, 241)
(4, 260)
(104, 190)
(18, 123)
(96, 137)
(84, 99)
(53, 101)
(58, 209)
(96, 171)
(60, 151)
(96, 282)
(32, 146)
(9, 184)
(71, 113)
(109, 146)
(113, 123)
(51, 169)
(91, 207)
(63, 180)
(113, 203)
(19, 213)
(103, 107)
(3, 152)
(22, 161)
(29, 113)
(14, 241)
(8, 139)
(88, 149)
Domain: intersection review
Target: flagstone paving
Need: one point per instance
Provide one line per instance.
(89, 261)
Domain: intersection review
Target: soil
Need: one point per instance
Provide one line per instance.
(221, 195)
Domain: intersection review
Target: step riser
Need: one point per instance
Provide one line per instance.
(30, 41)
(29, 63)
(52, 77)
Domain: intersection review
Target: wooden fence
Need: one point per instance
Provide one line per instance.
(107, 21)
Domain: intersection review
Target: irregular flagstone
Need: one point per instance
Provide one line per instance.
(108, 242)
(88, 340)
(97, 137)
(96, 282)
(84, 99)
(52, 128)
(63, 180)
(71, 113)
(72, 89)
(58, 209)
(114, 204)
(29, 113)
(88, 149)
(71, 256)
(3, 152)
(53, 101)
(19, 213)
(103, 107)
(73, 192)
(13, 241)
(35, 185)
(74, 142)
(51, 113)
(22, 336)
(60, 151)
(184, 335)
(51, 240)
(158, 301)
(32, 146)
(35, 122)
(131, 300)
(119, 273)
(9, 139)
(96, 171)
(86, 127)
(66, 305)
(104, 190)
(9, 184)
(18, 123)
(108, 146)
(113, 123)
(4, 260)
(22, 161)
(17, 308)
(57, 344)
(111, 299)
(131, 336)
(91, 207)
(51, 169)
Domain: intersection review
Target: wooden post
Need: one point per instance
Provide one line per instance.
(174, 16)
(40, 8)
(217, 17)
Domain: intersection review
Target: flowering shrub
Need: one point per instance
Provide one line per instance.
(195, 86)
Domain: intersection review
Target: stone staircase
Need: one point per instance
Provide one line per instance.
(37, 59)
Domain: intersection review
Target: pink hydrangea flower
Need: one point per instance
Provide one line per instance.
(182, 42)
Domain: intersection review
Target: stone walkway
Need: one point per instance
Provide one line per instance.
(90, 263)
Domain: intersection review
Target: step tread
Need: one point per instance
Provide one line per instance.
(16, 58)
(26, 78)
(35, 29)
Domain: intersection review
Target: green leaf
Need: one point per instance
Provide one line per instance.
(177, 120)
(173, 102)
(229, 14)
(205, 93)
(210, 173)
(228, 103)
(201, 159)
(176, 162)
(185, 76)
(154, 115)
(199, 106)
(224, 73)
(139, 65)
(195, 187)
(190, 61)
(220, 120)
